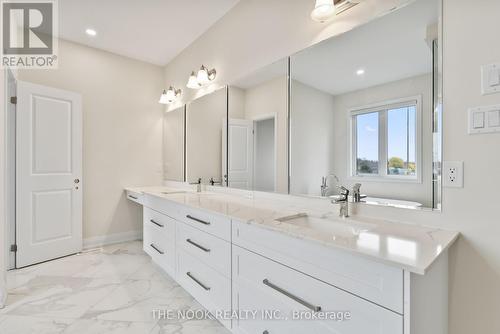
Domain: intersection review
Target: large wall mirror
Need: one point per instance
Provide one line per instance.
(173, 144)
(361, 109)
(257, 130)
(365, 109)
(205, 128)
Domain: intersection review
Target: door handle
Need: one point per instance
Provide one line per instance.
(206, 288)
(157, 249)
(156, 223)
(206, 250)
(197, 220)
(301, 301)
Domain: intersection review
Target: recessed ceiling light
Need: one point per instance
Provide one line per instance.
(91, 32)
(361, 71)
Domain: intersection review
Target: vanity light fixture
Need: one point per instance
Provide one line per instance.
(193, 81)
(360, 71)
(205, 75)
(170, 95)
(202, 78)
(323, 10)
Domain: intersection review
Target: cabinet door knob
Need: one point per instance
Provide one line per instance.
(77, 181)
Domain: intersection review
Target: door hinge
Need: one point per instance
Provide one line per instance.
(13, 99)
(13, 248)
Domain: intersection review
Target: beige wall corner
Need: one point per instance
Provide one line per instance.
(122, 130)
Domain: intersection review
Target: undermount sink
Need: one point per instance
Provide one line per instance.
(344, 227)
(174, 192)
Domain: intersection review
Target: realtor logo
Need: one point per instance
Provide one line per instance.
(29, 35)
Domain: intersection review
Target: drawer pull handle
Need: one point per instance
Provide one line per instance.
(265, 332)
(133, 197)
(156, 249)
(207, 250)
(197, 281)
(156, 223)
(197, 220)
(291, 296)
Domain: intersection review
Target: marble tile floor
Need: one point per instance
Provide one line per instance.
(113, 289)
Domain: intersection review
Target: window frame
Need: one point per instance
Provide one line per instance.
(382, 108)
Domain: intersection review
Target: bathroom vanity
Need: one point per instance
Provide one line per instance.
(291, 258)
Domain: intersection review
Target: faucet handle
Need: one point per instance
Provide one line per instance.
(344, 191)
(197, 182)
(356, 188)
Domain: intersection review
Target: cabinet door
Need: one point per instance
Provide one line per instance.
(207, 286)
(158, 243)
(264, 285)
(211, 250)
(377, 282)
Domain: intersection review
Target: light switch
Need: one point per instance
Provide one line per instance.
(494, 118)
(478, 120)
(490, 77)
(494, 79)
(484, 120)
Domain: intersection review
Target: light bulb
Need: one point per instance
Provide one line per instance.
(323, 10)
(193, 81)
(202, 76)
(170, 95)
(163, 98)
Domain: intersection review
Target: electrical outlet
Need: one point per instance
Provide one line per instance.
(453, 174)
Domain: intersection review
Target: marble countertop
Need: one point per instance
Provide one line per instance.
(407, 246)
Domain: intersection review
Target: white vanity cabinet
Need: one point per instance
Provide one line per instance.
(192, 246)
(240, 266)
(159, 239)
(262, 284)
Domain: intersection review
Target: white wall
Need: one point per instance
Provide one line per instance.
(422, 85)
(242, 41)
(267, 99)
(173, 145)
(265, 158)
(122, 131)
(204, 119)
(312, 138)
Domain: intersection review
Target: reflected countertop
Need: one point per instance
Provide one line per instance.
(407, 246)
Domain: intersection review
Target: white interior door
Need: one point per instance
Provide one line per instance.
(240, 139)
(49, 173)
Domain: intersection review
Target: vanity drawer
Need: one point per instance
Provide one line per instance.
(160, 247)
(159, 222)
(211, 250)
(376, 282)
(134, 196)
(207, 286)
(214, 224)
(261, 284)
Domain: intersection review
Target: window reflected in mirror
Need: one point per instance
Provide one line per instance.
(365, 107)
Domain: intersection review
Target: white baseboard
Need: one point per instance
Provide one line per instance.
(110, 239)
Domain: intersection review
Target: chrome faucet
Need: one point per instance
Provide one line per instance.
(324, 184)
(213, 182)
(343, 200)
(356, 193)
(198, 185)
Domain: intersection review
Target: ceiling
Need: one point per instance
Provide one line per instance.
(265, 74)
(388, 49)
(153, 31)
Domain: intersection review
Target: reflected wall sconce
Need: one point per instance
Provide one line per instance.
(323, 10)
(202, 78)
(170, 95)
